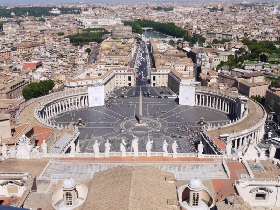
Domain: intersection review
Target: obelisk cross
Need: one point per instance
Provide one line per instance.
(140, 107)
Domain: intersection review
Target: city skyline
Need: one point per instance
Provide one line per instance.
(24, 2)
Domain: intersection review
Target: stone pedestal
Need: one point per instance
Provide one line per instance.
(140, 120)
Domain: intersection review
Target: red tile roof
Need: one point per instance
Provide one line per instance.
(220, 144)
(8, 200)
(41, 133)
(225, 186)
(19, 129)
(29, 66)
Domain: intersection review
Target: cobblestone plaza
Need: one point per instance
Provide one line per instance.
(163, 119)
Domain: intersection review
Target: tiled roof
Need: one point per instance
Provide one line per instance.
(255, 114)
(128, 187)
(41, 133)
(220, 144)
(225, 186)
(19, 129)
(29, 66)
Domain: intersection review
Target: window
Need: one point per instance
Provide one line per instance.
(129, 78)
(260, 196)
(195, 199)
(68, 199)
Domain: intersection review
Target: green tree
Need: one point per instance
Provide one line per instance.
(35, 90)
(171, 42)
(42, 20)
(60, 33)
(88, 50)
(263, 58)
(86, 37)
(215, 41)
(137, 28)
(270, 106)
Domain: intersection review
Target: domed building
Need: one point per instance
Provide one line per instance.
(194, 196)
(70, 195)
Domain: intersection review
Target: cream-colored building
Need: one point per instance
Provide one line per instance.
(5, 126)
(12, 88)
(172, 66)
(70, 195)
(111, 79)
(259, 192)
(195, 196)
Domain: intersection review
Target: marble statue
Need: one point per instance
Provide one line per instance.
(107, 148)
(73, 146)
(272, 151)
(134, 146)
(44, 147)
(23, 149)
(164, 148)
(35, 153)
(123, 148)
(149, 146)
(269, 134)
(200, 148)
(96, 149)
(262, 153)
(12, 152)
(4, 150)
(76, 129)
(78, 147)
(228, 148)
(174, 149)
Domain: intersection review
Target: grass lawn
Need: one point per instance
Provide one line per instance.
(251, 62)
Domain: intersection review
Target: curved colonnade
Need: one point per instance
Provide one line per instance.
(61, 103)
(246, 123)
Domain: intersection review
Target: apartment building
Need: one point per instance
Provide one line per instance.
(5, 54)
(253, 89)
(208, 79)
(23, 48)
(159, 77)
(12, 89)
(272, 99)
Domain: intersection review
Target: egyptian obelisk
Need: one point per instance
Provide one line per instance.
(140, 107)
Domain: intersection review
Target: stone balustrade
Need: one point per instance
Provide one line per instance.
(250, 172)
(258, 181)
(226, 168)
(209, 145)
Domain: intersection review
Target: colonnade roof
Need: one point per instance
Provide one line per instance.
(254, 116)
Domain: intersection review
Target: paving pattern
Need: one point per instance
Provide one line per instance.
(163, 119)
